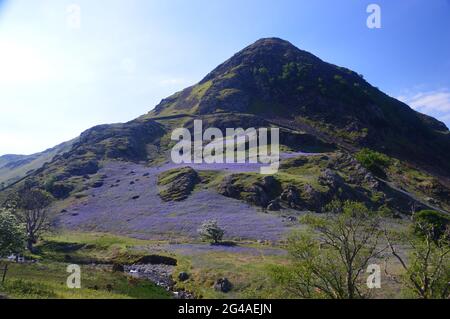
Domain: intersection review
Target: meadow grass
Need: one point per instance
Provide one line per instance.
(47, 280)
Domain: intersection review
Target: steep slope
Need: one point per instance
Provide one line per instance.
(275, 80)
(16, 167)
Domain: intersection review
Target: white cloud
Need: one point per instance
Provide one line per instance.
(435, 103)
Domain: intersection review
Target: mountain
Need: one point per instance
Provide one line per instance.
(341, 138)
(275, 80)
(15, 167)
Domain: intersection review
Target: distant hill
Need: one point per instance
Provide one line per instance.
(14, 167)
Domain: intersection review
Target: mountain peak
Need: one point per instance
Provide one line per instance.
(271, 42)
(266, 53)
(273, 79)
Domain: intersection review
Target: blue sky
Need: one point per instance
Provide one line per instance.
(58, 77)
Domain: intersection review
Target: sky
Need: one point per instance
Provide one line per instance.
(66, 66)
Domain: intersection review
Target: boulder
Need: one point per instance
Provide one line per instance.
(291, 196)
(331, 179)
(228, 189)
(118, 268)
(98, 184)
(274, 206)
(258, 196)
(177, 185)
(183, 276)
(223, 285)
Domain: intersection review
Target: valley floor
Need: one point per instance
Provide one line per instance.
(245, 265)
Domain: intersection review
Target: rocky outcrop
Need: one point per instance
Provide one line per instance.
(260, 193)
(177, 185)
(291, 197)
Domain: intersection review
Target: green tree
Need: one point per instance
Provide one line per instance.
(211, 231)
(30, 205)
(434, 221)
(427, 268)
(329, 259)
(12, 234)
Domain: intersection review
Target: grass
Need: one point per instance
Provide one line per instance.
(48, 280)
(85, 248)
(248, 274)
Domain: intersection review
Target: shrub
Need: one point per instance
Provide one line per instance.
(373, 161)
(12, 234)
(437, 221)
(211, 231)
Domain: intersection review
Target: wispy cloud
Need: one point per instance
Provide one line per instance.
(435, 103)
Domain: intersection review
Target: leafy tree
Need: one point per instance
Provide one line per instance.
(12, 234)
(329, 259)
(211, 231)
(438, 222)
(427, 269)
(30, 205)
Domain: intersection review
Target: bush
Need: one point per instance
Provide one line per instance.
(211, 231)
(373, 161)
(439, 222)
(12, 234)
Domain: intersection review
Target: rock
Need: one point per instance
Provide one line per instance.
(81, 168)
(159, 274)
(183, 295)
(98, 184)
(274, 206)
(291, 196)
(228, 189)
(258, 196)
(260, 193)
(118, 268)
(331, 179)
(135, 197)
(60, 190)
(177, 185)
(292, 219)
(313, 199)
(183, 276)
(270, 182)
(371, 181)
(157, 260)
(223, 285)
